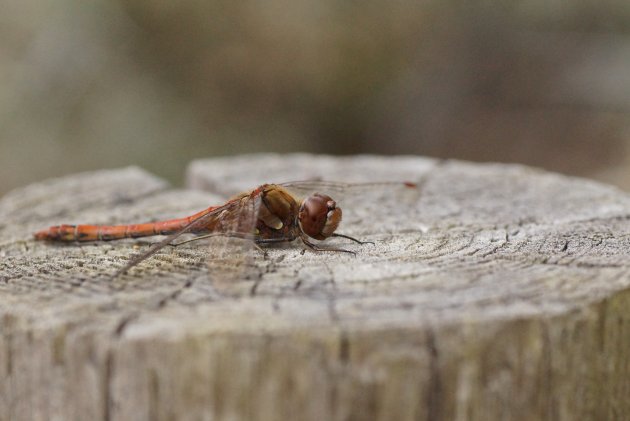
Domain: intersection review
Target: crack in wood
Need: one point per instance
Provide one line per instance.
(434, 398)
(107, 386)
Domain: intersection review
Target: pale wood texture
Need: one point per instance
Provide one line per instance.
(499, 293)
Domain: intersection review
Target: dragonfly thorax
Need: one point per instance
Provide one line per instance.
(319, 216)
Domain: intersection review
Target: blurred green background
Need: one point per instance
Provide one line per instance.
(88, 85)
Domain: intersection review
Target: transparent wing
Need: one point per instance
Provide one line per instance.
(193, 226)
(368, 208)
(341, 191)
(233, 253)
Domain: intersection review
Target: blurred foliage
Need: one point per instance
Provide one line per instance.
(88, 85)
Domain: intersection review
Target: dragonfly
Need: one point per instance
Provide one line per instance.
(268, 214)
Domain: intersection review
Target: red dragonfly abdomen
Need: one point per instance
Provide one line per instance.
(116, 232)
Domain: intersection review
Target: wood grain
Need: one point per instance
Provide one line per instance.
(498, 292)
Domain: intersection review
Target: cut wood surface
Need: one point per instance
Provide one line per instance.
(494, 292)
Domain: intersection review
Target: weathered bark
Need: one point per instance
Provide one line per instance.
(499, 293)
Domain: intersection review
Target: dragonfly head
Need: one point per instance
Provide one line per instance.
(319, 216)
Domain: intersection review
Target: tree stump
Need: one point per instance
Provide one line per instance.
(499, 292)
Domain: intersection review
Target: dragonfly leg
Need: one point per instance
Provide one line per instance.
(270, 241)
(190, 240)
(214, 234)
(317, 248)
(273, 240)
(223, 234)
(262, 250)
(353, 239)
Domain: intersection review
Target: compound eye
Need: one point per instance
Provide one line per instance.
(319, 216)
